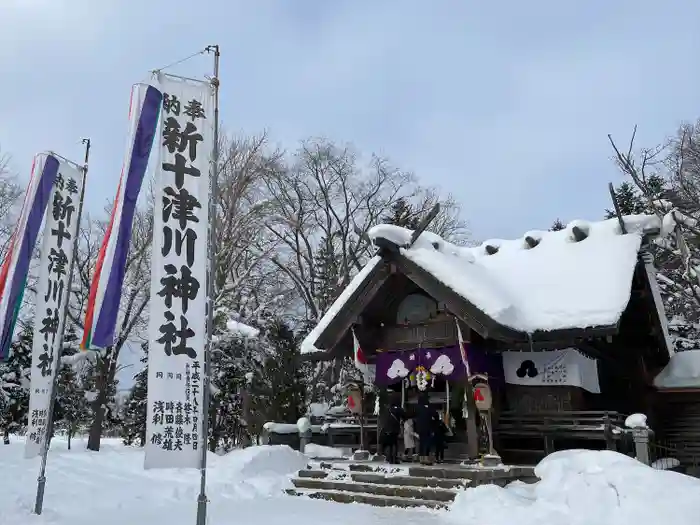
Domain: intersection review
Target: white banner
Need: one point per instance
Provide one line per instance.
(177, 330)
(551, 368)
(60, 233)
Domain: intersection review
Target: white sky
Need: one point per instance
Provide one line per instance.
(507, 105)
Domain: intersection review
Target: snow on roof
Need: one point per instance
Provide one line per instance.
(307, 345)
(682, 371)
(557, 284)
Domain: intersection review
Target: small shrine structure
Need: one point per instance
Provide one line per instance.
(676, 415)
(567, 326)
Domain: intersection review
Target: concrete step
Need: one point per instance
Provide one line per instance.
(359, 467)
(476, 475)
(369, 499)
(409, 481)
(346, 466)
(311, 473)
(394, 491)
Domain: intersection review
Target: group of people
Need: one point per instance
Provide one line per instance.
(425, 425)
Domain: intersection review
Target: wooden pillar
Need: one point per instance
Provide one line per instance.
(472, 431)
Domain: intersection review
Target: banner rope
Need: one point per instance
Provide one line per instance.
(203, 51)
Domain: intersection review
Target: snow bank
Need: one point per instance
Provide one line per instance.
(682, 371)
(315, 451)
(583, 487)
(666, 463)
(111, 487)
(263, 461)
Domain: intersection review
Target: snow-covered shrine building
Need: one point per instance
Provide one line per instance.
(568, 325)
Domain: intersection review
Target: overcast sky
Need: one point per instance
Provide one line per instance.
(505, 104)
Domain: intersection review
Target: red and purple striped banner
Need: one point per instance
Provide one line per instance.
(106, 288)
(15, 267)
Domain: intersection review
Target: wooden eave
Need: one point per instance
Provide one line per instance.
(348, 314)
(653, 298)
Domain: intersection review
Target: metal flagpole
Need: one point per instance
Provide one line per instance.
(41, 480)
(403, 393)
(362, 414)
(202, 498)
(447, 402)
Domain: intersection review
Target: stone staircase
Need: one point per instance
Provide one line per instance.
(398, 486)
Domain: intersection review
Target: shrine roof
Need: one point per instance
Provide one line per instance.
(576, 278)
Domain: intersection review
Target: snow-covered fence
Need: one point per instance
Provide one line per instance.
(332, 434)
(288, 434)
(637, 423)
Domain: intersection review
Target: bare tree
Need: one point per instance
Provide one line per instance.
(245, 280)
(323, 200)
(133, 318)
(10, 192)
(676, 163)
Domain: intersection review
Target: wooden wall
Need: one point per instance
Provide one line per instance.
(676, 422)
(531, 399)
(436, 333)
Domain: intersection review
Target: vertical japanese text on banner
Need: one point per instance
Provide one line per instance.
(60, 232)
(177, 333)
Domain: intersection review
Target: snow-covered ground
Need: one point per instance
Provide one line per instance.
(246, 488)
(111, 488)
(582, 487)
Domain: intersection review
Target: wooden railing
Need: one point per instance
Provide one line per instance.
(544, 430)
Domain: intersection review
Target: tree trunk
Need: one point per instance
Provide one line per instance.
(105, 372)
(246, 417)
(95, 434)
(6, 436)
(70, 434)
(214, 437)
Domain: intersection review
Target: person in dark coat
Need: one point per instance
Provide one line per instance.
(391, 428)
(439, 439)
(424, 426)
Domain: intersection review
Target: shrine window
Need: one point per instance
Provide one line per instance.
(416, 308)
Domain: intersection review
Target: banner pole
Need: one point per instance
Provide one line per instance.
(202, 498)
(41, 480)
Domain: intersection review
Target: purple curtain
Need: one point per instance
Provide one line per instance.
(394, 366)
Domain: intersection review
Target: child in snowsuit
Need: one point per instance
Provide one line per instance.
(409, 439)
(439, 439)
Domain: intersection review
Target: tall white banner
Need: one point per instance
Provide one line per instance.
(551, 368)
(177, 329)
(60, 234)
